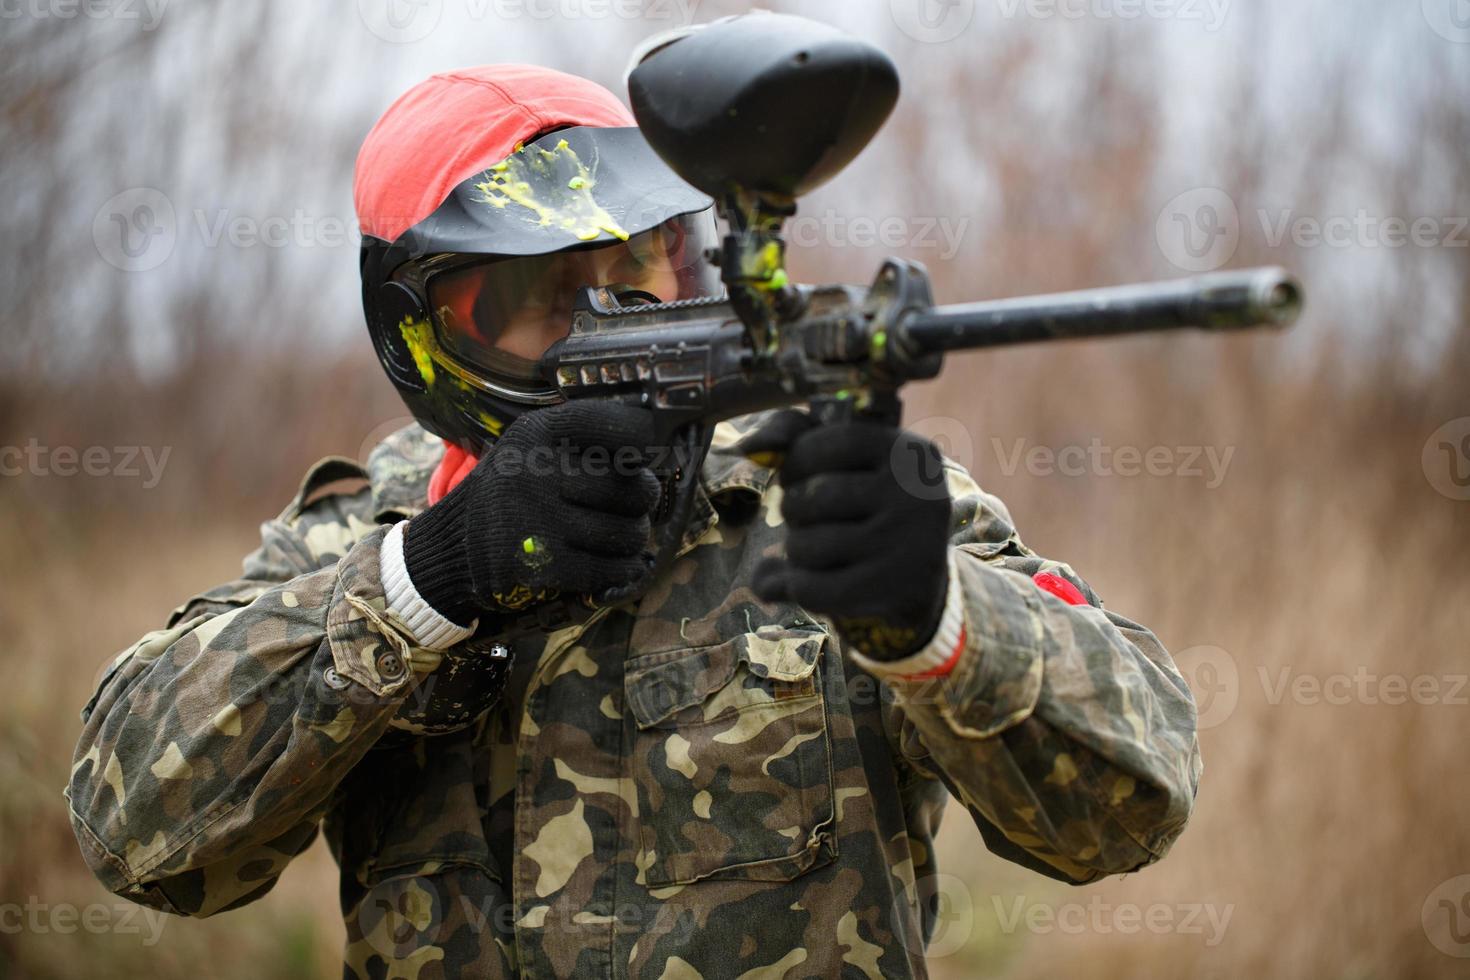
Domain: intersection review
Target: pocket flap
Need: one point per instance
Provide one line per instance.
(782, 653)
(662, 684)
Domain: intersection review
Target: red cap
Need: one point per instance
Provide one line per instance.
(449, 127)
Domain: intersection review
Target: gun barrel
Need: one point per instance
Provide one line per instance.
(1218, 301)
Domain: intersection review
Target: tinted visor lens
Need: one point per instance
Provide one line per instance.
(500, 315)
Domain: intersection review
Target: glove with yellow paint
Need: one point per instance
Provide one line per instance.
(560, 505)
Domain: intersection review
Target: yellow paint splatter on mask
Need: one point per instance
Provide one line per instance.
(574, 209)
(418, 335)
(492, 425)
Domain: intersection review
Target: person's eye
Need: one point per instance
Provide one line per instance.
(631, 268)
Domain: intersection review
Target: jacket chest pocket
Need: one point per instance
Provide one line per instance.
(732, 759)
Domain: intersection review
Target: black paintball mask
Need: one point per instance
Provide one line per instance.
(462, 305)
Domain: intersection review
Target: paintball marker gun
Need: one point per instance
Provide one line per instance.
(757, 111)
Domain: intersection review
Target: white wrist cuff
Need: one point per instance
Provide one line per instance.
(939, 652)
(429, 628)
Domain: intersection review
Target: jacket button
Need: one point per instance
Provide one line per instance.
(390, 666)
(335, 680)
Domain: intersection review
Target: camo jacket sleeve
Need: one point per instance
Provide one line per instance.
(211, 747)
(1065, 730)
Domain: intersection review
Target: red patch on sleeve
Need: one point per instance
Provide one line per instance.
(1059, 587)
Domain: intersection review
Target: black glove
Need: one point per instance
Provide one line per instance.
(867, 533)
(561, 504)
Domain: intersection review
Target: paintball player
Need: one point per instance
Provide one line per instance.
(739, 773)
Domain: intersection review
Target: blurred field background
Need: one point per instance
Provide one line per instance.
(1059, 148)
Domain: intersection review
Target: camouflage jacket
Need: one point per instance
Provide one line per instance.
(703, 785)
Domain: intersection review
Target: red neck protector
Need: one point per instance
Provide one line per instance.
(455, 466)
